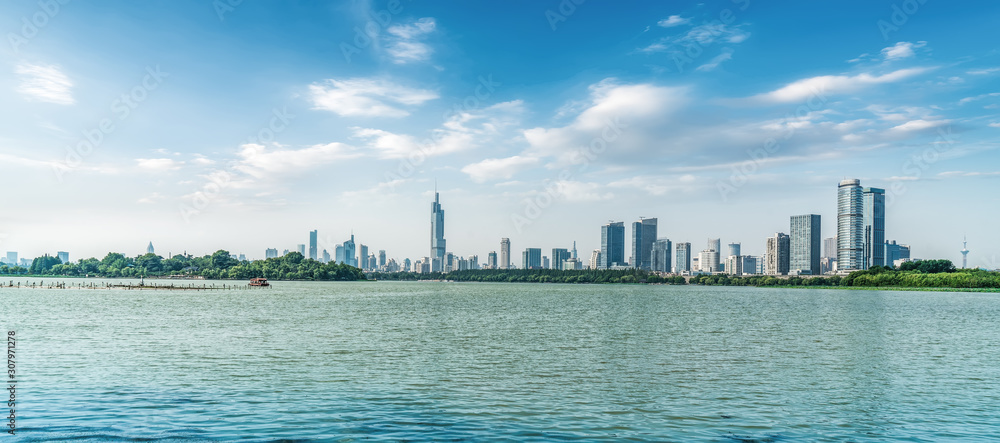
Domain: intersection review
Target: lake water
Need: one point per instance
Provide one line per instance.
(454, 361)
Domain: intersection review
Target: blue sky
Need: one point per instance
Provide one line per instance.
(204, 125)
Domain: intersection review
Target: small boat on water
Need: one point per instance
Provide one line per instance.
(259, 282)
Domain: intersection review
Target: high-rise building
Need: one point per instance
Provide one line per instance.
(363, 257)
(285, 252)
(830, 247)
(491, 260)
(545, 262)
(559, 255)
(714, 244)
(473, 262)
(270, 253)
(850, 226)
(504, 253)
(326, 256)
(661, 255)
(708, 261)
(734, 250)
(682, 259)
(340, 254)
(12, 258)
(894, 252)
(302, 249)
(312, 244)
(965, 253)
(381, 258)
(777, 255)
(573, 252)
(643, 237)
(874, 227)
(805, 242)
(149, 249)
(532, 258)
(437, 230)
(63, 256)
(595, 259)
(349, 251)
(407, 264)
(612, 245)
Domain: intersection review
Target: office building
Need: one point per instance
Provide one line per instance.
(302, 249)
(438, 249)
(572, 264)
(270, 253)
(894, 252)
(326, 256)
(12, 258)
(149, 249)
(874, 227)
(381, 258)
(504, 253)
(777, 255)
(850, 226)
(285, 252)
(491, 260)
(473, 262)
(805, 243)
(612, 245)
(349, 252)
(545, 262)
(531, 258)
(643, 237)
(313, 251)
(363, 257)
(573, 252)
(407, 264)
(714, 244)
(559, 255)
(339, 254)
(63, 257)
(830, 248)
(682, 259)
(734, 249)
(595, 259)
(661, 256)
(708, 261)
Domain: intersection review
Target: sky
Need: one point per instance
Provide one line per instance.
(205, 125)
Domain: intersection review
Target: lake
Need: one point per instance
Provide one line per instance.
(534, 362)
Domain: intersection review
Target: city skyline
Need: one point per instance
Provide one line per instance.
(244, 132)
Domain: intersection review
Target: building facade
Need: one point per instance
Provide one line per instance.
(504, 253)
(777, 255)
(531, 258)
(559, 255)
(874, 227)
(805, 244)
(661, 256)
(312, 244)
(612, 245)
(850, 226)
(438, 244)
(643, 237)
(682, 259)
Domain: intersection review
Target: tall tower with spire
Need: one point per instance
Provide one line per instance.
(149, 249)
(965, 254)
(437, 233)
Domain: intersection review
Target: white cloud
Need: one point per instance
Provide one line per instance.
(673, 20)
(202, 160)
(919, 125)
(461, 131)
(716, 61)
(404, 45)
(995, 125)
(986, 71)
(258, 161)
(576, 191)
(367, 97)
(45, 83)
(978, 97)
(833, 84)
(159, 164)
(498, 168)
(699, 36)
(901, 50)
(151, 198)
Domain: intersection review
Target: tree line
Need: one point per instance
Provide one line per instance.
(218, 265)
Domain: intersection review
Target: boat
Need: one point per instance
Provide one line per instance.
(259, 282)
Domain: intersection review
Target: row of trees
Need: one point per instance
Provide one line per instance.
(922, 274)
(218, 265)
(538, 276)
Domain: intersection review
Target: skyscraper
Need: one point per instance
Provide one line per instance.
(381, 258)
(573, 252)
(491, 260)
(270, 253)
(504, 253)
(312, 244)
(12, 258)
(340, 254)
(965, 254)
(363, 257)
(734, 250)
(850, 226)
(326, 256)
(682, 262)
(596, 261)
(63, 256)
(531, 258)
(661, 255)
(149, 249)
(612, 245)
(302, 249)
(349, 251)
(830, 247)
(559, 255)
(777, 259)
(805, 242)
(714, 244)
(643, 237)
(874, 227)
(708, 261)
(437, 231)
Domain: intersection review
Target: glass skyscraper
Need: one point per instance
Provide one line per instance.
(612, 245)
(874, 227)
(682, 262)
(805, 244)
(661, 255)
(850, 226)
(643, 237)
(312, 244)
(437, 233)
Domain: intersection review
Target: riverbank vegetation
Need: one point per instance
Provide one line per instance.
(219, 265)
(538, 276)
